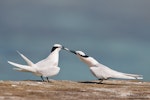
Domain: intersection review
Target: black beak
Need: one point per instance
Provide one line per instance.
(73, 52)
(65, 48)
(62, 47)
(69, 50)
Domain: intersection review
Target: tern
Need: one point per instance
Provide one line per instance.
(101, 71)
(47, 67)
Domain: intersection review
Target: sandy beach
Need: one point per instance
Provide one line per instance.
(71, 90)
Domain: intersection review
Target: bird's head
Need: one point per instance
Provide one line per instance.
(57, 46)
(79, 53)
(90, 61)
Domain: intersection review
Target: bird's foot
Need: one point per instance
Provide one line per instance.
(47, 80)
(100, 81)
(42, 78)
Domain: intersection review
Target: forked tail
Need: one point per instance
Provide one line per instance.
(22, 67)
(30, 63)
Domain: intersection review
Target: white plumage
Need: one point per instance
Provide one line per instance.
(101, 71)
(45, 68)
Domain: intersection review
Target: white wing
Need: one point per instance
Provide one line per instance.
(51, 60)
(103, 72)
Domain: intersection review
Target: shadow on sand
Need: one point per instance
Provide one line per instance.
(104, 83)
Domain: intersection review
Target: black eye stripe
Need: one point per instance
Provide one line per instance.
(84, 56)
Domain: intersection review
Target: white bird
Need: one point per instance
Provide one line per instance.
(101, 71)
(45, 68)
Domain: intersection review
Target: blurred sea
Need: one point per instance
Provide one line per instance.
(116, 33)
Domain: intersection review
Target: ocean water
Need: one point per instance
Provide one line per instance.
(123, 55)
(116, 34)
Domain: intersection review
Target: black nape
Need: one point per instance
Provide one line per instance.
(53, 49)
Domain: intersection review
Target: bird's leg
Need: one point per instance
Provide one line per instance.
(42, 78)
(47, 79)
(100, 81)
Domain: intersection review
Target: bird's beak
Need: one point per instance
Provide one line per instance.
(65, 48)
(62, 47)
(73, 52)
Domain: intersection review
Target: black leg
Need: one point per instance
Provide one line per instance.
(47, 79)
(100, 81)
(42, 78)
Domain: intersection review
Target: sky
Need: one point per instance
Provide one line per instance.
(115, 32)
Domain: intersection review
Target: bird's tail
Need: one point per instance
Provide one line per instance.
(134, 76)
(21, 70)
(30, 63)
(22, 67)
(127, 76)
